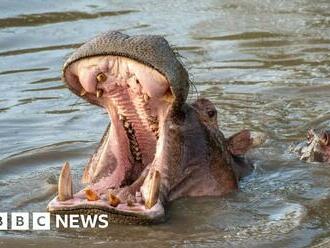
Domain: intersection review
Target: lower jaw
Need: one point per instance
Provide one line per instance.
(128, 212)
(137, 211)
(140, 209)
(136, 214)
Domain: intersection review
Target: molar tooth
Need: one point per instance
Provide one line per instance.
(65, 183)
(153, 190)
(146, 97)
(113, 200)
(99, 93)
(133, 146)
(154, 127)
(83, 92)
(133, 143)
(122, 117)
(127, 124)
(138, 157)
(91, 195)
(138, 154)
(153, 120)
(131, 130)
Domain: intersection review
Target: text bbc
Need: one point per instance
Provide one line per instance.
(41, 221)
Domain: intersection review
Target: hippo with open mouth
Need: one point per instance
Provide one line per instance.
(316, 147)
(158, 147)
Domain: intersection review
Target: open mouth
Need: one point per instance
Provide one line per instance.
(120, 177)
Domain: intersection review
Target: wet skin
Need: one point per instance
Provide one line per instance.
(158, 148)
(316, 147)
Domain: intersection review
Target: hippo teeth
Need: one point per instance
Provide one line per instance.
(113, 200)
(86, 178)
(153, 190)
(91, 195)
(99, 93)
(83, 92)
(146, 97)
(65, 183)
(133, 143)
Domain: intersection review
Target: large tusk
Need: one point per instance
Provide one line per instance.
(65, 191)
(153, 190)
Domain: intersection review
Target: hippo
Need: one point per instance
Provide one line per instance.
(316, 147)
(158, 147)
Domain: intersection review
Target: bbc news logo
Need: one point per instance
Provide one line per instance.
(41, 221)
(21, 221)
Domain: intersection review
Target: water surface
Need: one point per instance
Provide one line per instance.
(264, 63)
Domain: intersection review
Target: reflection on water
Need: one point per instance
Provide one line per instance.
(264, 63)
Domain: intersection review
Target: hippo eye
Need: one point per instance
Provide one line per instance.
(211, 113)
(101, 77)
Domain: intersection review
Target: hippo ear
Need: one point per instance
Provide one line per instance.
(241, 142)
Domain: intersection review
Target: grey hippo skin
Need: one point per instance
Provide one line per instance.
(158, 148)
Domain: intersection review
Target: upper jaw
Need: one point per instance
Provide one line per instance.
(150, 50)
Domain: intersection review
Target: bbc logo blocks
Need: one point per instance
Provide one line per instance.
(21, 221)
(3, 221)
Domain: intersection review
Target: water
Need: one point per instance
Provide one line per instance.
(264, 63)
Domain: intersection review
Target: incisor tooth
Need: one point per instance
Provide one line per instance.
(113, 200)
(86, 178)
(91, 195)
(65, 183)
(153, 190)
(83, 92)
(99, 93)
(138, 197)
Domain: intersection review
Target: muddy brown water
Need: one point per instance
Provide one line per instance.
(264, 63)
